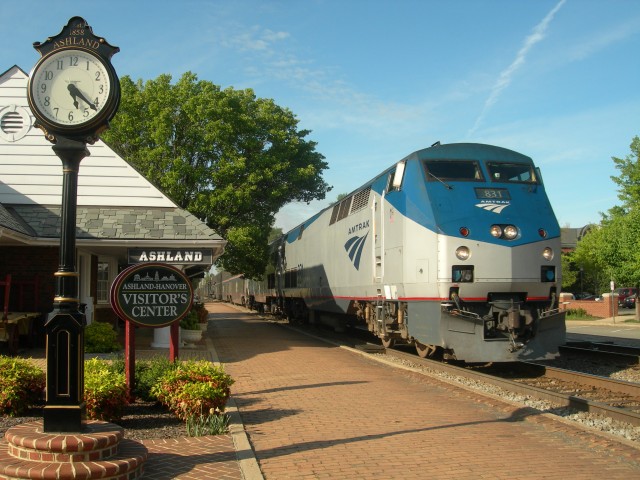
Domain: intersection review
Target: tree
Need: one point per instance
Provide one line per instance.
(614, 247)
(229, 158)
(629, 178)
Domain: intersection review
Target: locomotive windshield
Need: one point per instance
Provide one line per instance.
(511, 172)
(465, 170)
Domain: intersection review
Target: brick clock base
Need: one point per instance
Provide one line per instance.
(99, 451)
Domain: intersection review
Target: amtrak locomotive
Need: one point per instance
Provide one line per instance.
(454, 249)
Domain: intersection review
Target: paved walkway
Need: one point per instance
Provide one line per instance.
(312, 410)
(302, 409)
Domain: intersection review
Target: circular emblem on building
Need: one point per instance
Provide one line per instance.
(151, 294)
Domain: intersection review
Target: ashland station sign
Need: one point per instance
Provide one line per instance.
(191, 256)
(151, 294)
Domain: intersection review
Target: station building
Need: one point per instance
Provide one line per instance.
(120, 215)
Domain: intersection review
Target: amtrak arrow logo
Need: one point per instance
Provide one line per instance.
(354, 248)
(492, 207)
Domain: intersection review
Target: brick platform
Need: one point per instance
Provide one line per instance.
(312, 410)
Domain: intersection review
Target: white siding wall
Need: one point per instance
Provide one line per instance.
(30, 173)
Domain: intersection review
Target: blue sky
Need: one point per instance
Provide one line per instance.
(374, 80)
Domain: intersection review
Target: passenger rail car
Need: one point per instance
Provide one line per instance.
(239, 290)
(454, 249)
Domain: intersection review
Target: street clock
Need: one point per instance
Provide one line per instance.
(73, 89)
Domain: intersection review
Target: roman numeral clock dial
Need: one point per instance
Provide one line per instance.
(72, 91)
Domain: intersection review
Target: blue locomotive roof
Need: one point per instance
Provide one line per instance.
(446, 204)
(476, 202)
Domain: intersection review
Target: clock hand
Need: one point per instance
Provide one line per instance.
(75, 92)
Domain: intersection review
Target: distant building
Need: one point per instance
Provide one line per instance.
(569, 237)
(118, 210)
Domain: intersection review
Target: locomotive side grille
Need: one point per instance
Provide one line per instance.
(360, 200)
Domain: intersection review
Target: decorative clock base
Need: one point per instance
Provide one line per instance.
(100, 451)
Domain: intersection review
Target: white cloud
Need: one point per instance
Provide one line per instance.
(507, 75)
(599, 41)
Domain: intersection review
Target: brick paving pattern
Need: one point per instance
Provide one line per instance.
(312, 410)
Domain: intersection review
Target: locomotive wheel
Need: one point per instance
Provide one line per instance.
(387, 342)
(425, 351)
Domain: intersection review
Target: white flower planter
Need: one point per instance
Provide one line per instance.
(190, 335)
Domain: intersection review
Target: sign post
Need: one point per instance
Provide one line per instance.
(150, 295)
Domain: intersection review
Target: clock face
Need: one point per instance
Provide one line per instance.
(70, 88)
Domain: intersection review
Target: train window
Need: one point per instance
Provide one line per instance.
(512, 172)
(395, 178)
(465, 170)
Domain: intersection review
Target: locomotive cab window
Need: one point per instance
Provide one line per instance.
(456, 170)
(512, 172)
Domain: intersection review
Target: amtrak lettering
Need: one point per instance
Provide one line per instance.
(359, 226)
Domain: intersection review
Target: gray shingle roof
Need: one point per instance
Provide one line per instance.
(154, 223)
(7, 220)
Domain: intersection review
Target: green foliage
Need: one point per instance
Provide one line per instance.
(612, 250)
(201, 312)
(194, 387)
(224, 155)
(190, 321)
(21, 386)
(629, 178)
(207, 424)
(578, 314)
(100, 337)
(148, 373)
(569, 274)
(105, 390)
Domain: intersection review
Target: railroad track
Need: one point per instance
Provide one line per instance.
(618, 353)
(611, 398)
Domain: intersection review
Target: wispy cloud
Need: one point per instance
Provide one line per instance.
(254, 39)
(272, 56)
(603, 40)
(504, 80)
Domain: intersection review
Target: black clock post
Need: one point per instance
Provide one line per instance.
(73, 92)
(65, 410)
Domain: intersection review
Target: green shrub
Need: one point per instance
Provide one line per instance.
(105, 390)
(21, 386)
(578, 313)
(201, 312)
(211, 424)
(148, 373)
(100, 337)
(190, 321)
(194, 387)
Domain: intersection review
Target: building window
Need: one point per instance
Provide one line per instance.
(103, 282)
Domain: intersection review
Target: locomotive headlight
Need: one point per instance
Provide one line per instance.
(507, 232)
(463, 253)
(547, 253)
(510, 232)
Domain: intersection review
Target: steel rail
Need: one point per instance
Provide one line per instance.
(561, 399)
